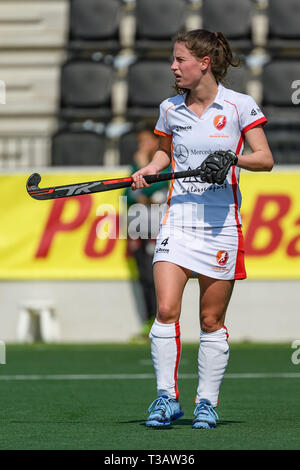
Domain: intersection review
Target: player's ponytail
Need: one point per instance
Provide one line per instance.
(205, 43)
(222, 58)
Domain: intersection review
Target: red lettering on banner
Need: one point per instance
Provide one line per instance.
(258, 221)
(292, 246)
(55, 225)
(109, 245)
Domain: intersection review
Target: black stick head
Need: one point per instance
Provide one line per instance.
(33, 181)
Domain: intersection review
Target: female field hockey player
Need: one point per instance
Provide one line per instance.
(205, 126)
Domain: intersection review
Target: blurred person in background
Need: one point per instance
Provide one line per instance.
(142, 248)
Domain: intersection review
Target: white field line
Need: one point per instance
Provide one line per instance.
(283, 375)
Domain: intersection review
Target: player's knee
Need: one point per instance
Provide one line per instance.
(210, 324)
(167, 313)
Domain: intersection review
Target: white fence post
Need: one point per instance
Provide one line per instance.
(2, 92)
(2, 353)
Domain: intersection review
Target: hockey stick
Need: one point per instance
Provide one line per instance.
(79, 189)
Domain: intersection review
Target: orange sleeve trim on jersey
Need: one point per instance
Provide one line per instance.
(262, 121)
(156, 131)
(162, 133)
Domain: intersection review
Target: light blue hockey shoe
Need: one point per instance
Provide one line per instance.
(163, 411)
(205, 415)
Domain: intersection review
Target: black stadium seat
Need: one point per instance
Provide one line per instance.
(157, 21)
(278, 76)
(284, 21)
(86, 90)
(237, 78)
(128, 145)
(283, 128)
(231, 17)
(94, 24)
(149, 83)
(284, 143)
(80, 148)
(277, 79)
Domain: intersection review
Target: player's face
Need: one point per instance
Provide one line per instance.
(187, 68)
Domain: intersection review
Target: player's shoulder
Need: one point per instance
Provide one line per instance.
(237, 98)
(172, 101)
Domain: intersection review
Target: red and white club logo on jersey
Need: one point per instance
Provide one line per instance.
(220, 121)
(222, 257)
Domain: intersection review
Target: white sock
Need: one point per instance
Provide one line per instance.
(166, 351)
(212, 362)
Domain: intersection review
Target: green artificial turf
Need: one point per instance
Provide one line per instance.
(109, 413)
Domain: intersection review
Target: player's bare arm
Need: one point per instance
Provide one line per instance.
(261, 158)
(160, 161)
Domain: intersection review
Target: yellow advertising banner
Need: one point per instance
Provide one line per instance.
(84, 238)
(271, 223)
(68, 238)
